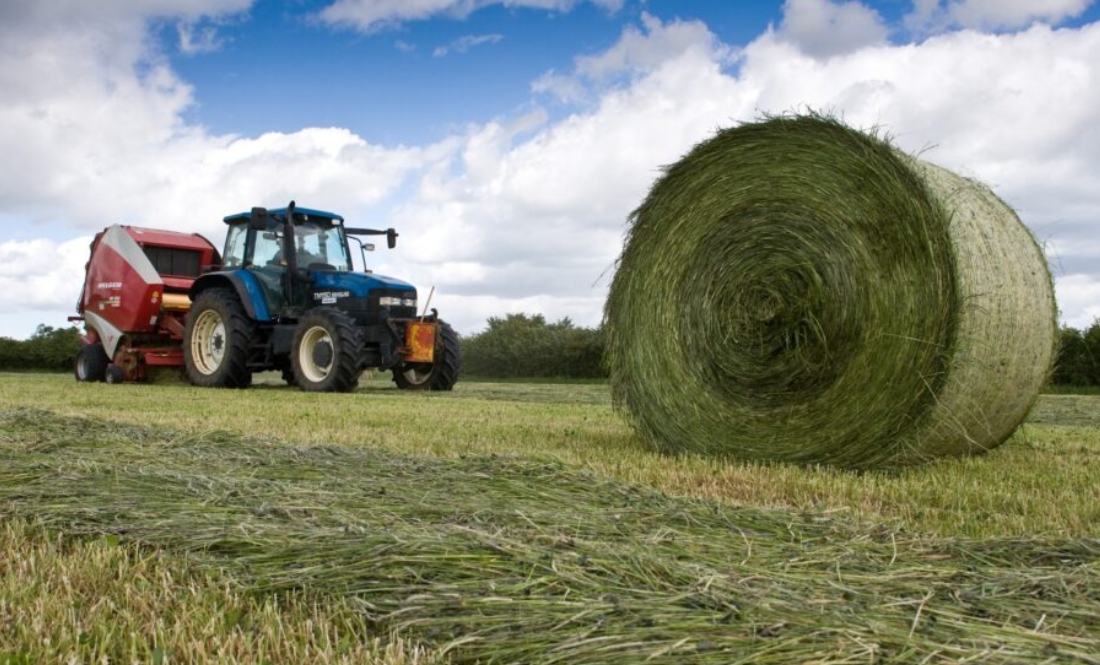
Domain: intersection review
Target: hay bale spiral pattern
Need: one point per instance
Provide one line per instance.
(796, 290)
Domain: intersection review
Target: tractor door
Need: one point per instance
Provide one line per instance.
(257, 250)
(269, 267)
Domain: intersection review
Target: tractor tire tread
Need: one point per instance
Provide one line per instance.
(240, 334)
(347, 363)
(91, 363)
(448, 362)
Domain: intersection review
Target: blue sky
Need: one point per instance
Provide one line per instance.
(395, 84)
(507, 140)
(409, 83)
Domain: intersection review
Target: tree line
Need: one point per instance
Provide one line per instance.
(513, 346)
(1078, 361)
(528, 346)
(48, 349)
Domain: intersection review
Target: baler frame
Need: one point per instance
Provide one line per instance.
(134, 300)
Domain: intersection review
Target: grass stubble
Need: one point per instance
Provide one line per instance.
(98, 600)
(1043, 483)
(491, 558)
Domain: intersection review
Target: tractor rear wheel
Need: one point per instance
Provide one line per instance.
(91, 363)
(442, 373)
(327, 352)
(217, 341)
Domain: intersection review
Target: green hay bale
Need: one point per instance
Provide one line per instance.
(796, 290)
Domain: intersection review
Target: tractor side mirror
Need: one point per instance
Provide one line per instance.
(391, 238)
(258, 220)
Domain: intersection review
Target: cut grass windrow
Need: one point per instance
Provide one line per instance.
(499, 559)
(95, 600)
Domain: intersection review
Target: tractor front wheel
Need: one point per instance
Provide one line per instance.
(217, 341)
(442, 373)
(91, 363)
(327, 352)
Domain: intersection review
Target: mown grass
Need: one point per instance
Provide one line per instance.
(1042, 482)
(511, 559)
(1071, 390)
(96, 600)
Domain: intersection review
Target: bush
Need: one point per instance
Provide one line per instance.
(48, 349)
(1078, 362)
(526, 346)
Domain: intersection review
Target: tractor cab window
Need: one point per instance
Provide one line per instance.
(234, 246)
(268, 252)
(320, 248)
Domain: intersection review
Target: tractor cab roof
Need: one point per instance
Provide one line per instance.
(300, 214)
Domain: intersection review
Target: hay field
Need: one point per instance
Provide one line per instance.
(516, 523)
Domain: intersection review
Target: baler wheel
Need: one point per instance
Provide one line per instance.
(115, 374)
(442, 374)
(327, 352)
(91, 363)
(217, 340)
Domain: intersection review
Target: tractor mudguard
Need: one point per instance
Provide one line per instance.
(246, 285)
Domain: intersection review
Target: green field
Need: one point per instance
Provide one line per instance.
(511, 522)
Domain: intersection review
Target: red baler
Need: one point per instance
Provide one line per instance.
(135, 298)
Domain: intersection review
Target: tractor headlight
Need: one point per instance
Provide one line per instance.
(394, 301)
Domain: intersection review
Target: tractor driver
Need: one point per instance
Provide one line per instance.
(307, 240)
(303, 238)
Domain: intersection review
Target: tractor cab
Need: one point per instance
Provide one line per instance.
(260, 237)
(298, 256)
(284, 249)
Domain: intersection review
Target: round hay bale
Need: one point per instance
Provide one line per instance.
(797, 290)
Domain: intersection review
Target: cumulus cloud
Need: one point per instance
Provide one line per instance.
(1079, 299)
(823, 28)
(644, 50)
(36, 274)
(1014, 110)
(639, 51)
(931, 15)
(374, 15)
(95, 115)
(526, 213)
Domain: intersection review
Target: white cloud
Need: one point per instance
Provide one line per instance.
(1079, 300)
(374, 15)
(565, 87)
(991, 14)
(96, 117)
(527, 213)
(823, 28)
(645, 50)
(1015, 110)
(638, 52)
(465, 43)
(197, 39)
(41, 275)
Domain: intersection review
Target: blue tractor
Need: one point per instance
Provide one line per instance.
(287, 299)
